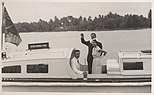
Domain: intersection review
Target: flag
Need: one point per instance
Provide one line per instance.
(11, 33)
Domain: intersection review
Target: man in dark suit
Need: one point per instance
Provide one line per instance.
(90, 47)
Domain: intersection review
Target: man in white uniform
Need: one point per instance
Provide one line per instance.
(76, 64)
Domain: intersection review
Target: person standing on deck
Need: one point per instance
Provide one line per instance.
(97, 56)
(90, 48)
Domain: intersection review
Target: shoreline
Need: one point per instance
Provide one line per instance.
(85, 31)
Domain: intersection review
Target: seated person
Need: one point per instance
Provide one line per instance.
(76, 64)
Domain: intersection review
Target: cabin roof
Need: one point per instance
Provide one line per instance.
(131, 54)
(40, 54)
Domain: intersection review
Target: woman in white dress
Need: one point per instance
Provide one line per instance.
(97, 55)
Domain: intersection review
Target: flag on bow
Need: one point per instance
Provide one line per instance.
(11, 33)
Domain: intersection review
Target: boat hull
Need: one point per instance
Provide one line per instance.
(79, 87)
(76, 80)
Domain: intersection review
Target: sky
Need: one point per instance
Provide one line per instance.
(33, 11)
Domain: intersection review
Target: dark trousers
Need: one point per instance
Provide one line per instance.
(89, 66)
(104, 69)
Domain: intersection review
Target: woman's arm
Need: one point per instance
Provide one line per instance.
(103, 52)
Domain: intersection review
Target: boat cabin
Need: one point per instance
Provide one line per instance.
(56, 64)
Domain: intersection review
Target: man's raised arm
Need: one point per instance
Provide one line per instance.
(82, 39)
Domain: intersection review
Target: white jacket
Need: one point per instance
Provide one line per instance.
(76, 66)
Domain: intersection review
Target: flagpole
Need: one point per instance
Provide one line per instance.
(1, 35)
(2, 29)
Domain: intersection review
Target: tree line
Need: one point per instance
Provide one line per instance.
(108, 22)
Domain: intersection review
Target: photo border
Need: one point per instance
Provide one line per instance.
(60, 93)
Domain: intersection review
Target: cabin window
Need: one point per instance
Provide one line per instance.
(37, 68)
(133, 65)
(11, 69)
